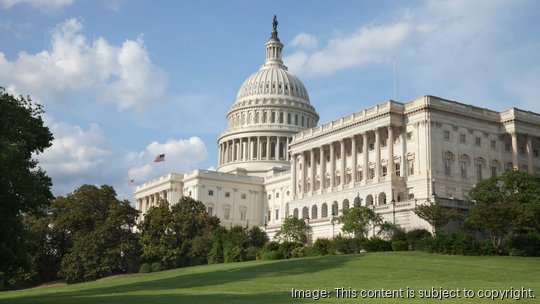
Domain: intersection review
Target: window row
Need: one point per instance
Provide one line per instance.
(270, 116)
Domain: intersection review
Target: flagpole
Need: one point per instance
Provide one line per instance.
(394, 78)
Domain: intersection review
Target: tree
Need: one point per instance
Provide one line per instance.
(167, 233)
(293, 229)
(504, 204)
(436, 215)
(95, 231)
(24, 187)
(359, 220)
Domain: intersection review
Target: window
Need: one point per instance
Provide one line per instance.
(478, 171)
(447, 135)
(493, 171)
(410, 167)
(302, 120)
(269, 196)
(463, 167)
(447, 168)
(227, 194)
(243, 196)
(276, 214)
(243, 213)
(398, 169)
(264, 117)
(493, 144)
(371, 173)
(268, 215)
(209, 210)
(273, 119)
(478, 141)
(289, 118)
(521, 150)
(462, 138)
(189, 193)
(383, 143)
(226, 213)
(508, 147)
(296, 119)
(409, 136)
(384, 170)
(277, 195)
(210, 192)
(371, 147)
(360, 175)
(535, 152)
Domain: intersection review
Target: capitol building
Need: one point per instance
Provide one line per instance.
(275, 160)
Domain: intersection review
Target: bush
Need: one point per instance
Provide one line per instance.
(156, 266)
(524, 244)
(145, 268)
(252, 253)
(463, 243)
(398, 234)
(271, 255)
(232, 253)
(345, 245)
(486, 248)
(300, 252)
(376, 244)
(424, 244)
(286, 248)
(400, 246)
(414, 236)
(323, 247)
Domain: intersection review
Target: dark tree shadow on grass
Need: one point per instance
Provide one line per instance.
(162, 288)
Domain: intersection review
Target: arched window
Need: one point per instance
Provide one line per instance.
(369, 200)
(314, 212)
(345, 204)
(324, 210)
(382, 198)
(335, 208)
(295, 212)
(357, 201)
(305, 213)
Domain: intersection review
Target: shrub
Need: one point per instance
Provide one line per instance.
(145, 268)
(271, 255)
(463, 243)
(398, 234)
(252, 253)
(156, 266)
(376, 244)
(287, 247)
(300, 252)
(400, 245)
(323, 247)
(524, 244)
(424, 244)
(414, 236)
(232, 253)
(486, 248)
(343, 245)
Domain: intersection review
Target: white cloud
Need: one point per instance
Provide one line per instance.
(85, 156)
(304, 40)
(40, 4)
(123, 75)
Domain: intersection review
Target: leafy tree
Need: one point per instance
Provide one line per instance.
(94, 229)
(24, 187)
(167, 233)
(436, 215)
(504, 204)
(359, 220)
(293, 230)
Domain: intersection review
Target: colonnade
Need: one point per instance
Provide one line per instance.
(147, 201)
(528, 151)
(332, 169)
(253, 148)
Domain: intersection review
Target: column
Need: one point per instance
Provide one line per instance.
(390, 148)
(259, 148)
(343, 157)
(249, 149)
(303, 177)
(277, 148)
(530, 167)
(286, 147)
(267, 147)
(332, 166)
(219, 155)
(404, 161)
(353, 159)
(238, 150)
(322, 174)
(366, 157)
(312, 162)
(515, 161)
(377, 154)
(293, 176)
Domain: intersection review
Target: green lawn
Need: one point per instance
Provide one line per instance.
(271, 281)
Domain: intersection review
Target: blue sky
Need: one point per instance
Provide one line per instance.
(123, 81)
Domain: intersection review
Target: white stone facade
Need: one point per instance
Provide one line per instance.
(274, 161)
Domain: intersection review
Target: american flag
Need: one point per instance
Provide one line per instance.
(159, 158)
(131, 181)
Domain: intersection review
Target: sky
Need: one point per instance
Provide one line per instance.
(123, 81)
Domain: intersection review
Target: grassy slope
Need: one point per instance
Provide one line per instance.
(271, 281)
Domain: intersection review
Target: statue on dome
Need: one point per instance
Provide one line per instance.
(275, 23)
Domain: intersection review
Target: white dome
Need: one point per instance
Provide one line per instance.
(275, 80)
